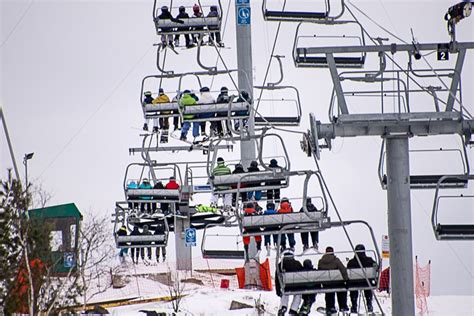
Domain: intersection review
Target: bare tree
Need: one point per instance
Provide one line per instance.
(175, 289)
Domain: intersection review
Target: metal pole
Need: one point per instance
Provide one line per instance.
(10, 147)
(399, 226)
(244, 63)
(183, 253)
(25, 162)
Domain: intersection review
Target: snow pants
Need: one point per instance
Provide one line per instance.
(295, 304)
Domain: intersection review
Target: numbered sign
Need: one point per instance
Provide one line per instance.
(443, 52)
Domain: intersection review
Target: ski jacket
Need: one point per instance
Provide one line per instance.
(166, 15)
(221, 169)
(162, 98)
(132, 185)
(366, 261)
(213, 14)
(187, 100)
(249, 211)
(122, 232)
(285, 207)
(206, 209)
(145, 186)
(182, 15)
(270, 212)
(330, 262)
(238, 170)
(311, 208)
(148, 99)
(158, 185)
(289, 264)
(160, 229)
(172, 185)
(223, 97)
(135, 232)
(253, 169)
(206, 98)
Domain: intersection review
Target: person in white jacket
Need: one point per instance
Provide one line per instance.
(205, 98)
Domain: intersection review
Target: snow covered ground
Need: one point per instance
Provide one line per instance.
(210, 299)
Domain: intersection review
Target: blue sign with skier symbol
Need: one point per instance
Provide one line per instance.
(243, 16)
(190, 237)
(69, 260)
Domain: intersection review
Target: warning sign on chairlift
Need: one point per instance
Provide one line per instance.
(385, 247)
(190, 237)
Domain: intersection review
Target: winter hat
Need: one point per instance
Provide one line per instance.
(308, 264)
(270, 206)
(253, 164)
(161, 91)
(145, 227)
(145, 180)
(239, 166)
(249, 205)
(172, 178)
(182, 9)
(273, 163)
(224, 89)
(204, 89)
(147, 93)
(285, 200)
(164, 8)
(308, 201)
(244, 94)
(196, 8)
(359, 247)
(123, 228)
(329, 249)
(213, 8)
(288, 253)
(186, 91)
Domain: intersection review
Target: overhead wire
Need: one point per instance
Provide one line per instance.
(4, 42)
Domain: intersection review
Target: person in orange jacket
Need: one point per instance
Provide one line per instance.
(285, 207)
(250, 211)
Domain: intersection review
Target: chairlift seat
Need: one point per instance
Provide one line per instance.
(141, 241)
(203, 24)
(302, 59)
(275, 221)
(250, 179)
(216, 108)
(223, 254)
(295, 16)
(170, 109)
(431, 181)
(453, 231)
(277, 120)
(156, 194)
(321, 281)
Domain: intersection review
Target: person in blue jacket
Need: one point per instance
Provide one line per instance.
(130, 186)
(270, 211)
(145, 185)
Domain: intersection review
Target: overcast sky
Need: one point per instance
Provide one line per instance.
(70, 83)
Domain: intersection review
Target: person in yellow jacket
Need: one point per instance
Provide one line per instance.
(164, 121)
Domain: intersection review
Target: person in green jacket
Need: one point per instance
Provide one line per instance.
(220, 170)
(185, 101)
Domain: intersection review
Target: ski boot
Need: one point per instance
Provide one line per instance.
(282, 311)
(145, 127)
(155, 129)
(164, 137)
(176, 42)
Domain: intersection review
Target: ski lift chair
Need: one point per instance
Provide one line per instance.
(159, 110)
(451, 231)
(140, 241)
(271, 224)
(155, 195)
(431, 181)
(245, 182)
(303, 57)
(232, 110)
(300, 16)
(233, 254)
(193, 25)
(324, 281)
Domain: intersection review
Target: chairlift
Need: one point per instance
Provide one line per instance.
(303, 57)
(324, 281)
(431, 181)
(135, 195)
(234, 254)
(193, 25)
(451, 231)
(269, 179)
(271, 224)
(286, 103)
(286, 15)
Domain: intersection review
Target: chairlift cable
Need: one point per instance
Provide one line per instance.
(222, 38)
(405, 42)
(270, 59)
(318, 169)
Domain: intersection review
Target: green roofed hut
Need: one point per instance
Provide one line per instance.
(64, 221)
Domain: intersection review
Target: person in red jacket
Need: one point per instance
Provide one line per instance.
(250, 211)
(171, 185)
(285, 207)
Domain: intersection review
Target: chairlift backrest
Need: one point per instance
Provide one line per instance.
(288, 15)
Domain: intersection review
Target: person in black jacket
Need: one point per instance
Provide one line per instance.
(273, 193)
(135, 232)
(217, 127)
(160, 231)
(243, 97)
(258, 194)
(166, 15)
(243, 195)
(366, 262)
(158, 186)
(308, 299)
(314, 235)
(183, 15)
(288, 264)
